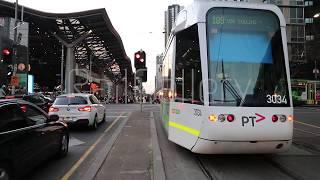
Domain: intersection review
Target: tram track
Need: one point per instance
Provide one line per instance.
(205, 170)
(282, 169)
(211, 173)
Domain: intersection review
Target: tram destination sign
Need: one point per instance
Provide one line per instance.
(235, 20)
(263, 21)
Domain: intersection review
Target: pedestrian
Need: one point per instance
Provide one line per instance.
(3, 91)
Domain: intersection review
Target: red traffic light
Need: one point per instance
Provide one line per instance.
(6, 52)
(140, 59)
(137, 56)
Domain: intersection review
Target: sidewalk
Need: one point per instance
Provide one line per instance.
(132, 155)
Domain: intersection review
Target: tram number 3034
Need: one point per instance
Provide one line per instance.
(276, 99)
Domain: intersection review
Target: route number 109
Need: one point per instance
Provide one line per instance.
(276, 99)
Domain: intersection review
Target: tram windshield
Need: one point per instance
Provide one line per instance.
(245, 59)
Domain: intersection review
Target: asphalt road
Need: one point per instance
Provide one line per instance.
(88, 148)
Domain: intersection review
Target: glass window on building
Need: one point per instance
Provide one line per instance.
(309, 37)
(308, 3)
(308, 20)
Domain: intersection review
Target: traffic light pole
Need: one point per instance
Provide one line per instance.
(141, 95)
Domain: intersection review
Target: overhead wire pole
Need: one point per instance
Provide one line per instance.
(90, 72)
(62, 68)
(14, 49)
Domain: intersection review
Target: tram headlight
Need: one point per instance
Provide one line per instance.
(213, 118)
(221, 117)
(283, 118)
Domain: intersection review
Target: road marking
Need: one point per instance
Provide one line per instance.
(304, 112)
(306, 124)
(316, 134)
(86, 154)
(75, 142)
(116, 116)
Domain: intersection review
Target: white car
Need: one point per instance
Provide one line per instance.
(79, 109)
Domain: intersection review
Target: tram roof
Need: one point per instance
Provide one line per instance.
(103, 41)
(196, 12)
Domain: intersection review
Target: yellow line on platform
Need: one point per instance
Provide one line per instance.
(86, 154)
(306, 124)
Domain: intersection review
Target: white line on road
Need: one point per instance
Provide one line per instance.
(86, 154)
(306, 124)
(75, 142)
(316, 134)
(116, 116)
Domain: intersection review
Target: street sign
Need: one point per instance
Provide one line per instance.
(14, 80)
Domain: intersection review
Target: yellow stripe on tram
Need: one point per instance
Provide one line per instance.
(184, 128)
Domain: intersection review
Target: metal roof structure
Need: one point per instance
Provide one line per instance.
(104, 43)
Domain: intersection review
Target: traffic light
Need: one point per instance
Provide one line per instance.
(140, 59)
(6, 55)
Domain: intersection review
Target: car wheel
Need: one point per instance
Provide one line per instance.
(95, 123)
(64, 145)
(4, 172)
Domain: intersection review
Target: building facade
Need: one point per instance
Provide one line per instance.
(312, 20)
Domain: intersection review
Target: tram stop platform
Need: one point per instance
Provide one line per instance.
(135, 154)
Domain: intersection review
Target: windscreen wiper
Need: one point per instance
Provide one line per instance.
(229, 87)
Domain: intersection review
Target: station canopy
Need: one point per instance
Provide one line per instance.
(103, 44)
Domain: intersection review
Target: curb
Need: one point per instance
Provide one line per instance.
(158, 168)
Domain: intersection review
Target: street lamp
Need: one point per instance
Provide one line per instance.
(316, 15)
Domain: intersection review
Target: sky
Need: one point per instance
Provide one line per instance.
(140, 23)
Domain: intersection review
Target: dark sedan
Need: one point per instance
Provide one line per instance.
(28, 137)
(38, 99)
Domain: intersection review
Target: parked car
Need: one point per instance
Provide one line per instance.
(40, 100)
(28, 136)
(79, 109)
(36, 98)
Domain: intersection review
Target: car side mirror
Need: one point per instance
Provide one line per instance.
(53, 118)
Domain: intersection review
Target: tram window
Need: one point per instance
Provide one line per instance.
(246, 63)
(188, 74)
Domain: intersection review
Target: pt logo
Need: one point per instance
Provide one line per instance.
(252, 119)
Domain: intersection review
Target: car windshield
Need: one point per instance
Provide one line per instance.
(70, 100)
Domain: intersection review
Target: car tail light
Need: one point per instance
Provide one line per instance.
(23, 108)
(230, 117)
(85, 109)
(275, 118)
(53, 109)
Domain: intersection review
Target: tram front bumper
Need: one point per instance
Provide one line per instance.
(203, 146)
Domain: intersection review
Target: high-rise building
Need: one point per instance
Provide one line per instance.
(293, 11)
(170, 17)
(312, 20)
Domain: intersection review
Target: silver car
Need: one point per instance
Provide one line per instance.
(79, 109)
